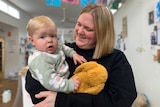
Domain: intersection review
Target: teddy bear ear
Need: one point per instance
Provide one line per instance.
(80, 68)
(85, 66)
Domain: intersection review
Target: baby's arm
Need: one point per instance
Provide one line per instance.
(71, 53)
(44, 69)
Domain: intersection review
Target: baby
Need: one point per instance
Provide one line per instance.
(47, 60)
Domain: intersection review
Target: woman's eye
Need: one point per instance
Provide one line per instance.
(78, 24)
(90, 30)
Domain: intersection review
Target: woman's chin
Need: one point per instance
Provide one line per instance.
(80, 45)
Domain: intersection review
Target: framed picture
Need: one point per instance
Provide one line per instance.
(158, 37)
(157, 11)
(158, 55)
(153, 38)
(151, 17)
(124, 28)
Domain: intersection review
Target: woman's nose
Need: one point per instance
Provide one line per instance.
(81, 30)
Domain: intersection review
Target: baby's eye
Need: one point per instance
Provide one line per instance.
(42, 37)
(54, 36)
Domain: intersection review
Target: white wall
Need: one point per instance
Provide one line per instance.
(15, 60)
(146, 71)
(65, 35)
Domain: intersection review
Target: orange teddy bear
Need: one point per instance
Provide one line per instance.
(92, 77)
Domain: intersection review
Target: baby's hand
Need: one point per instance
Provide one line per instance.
(78, 58)
(76, 83)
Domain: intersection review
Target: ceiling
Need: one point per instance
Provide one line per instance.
(64, 16)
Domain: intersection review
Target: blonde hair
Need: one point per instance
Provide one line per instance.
(104, 29)
(39, 22)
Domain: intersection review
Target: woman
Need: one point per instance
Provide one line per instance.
(94, 39)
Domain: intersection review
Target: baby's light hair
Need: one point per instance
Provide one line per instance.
(39, 22)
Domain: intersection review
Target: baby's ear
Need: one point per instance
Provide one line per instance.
(30, 39)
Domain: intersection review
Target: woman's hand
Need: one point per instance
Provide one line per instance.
(49, 100)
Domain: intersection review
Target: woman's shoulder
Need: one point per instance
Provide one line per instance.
(116, 53)
(113, 57)
(116, 58)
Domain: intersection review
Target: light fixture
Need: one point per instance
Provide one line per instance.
(113, 11)
(115, 5)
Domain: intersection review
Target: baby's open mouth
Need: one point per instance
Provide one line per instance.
(50, 46)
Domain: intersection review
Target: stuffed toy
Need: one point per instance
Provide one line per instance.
(23, 71)
(92, 77)
(140, 101)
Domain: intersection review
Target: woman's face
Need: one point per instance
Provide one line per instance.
(85, 32)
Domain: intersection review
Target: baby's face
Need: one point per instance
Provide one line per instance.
(45, 39)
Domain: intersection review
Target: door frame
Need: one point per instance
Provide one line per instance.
(2, 41)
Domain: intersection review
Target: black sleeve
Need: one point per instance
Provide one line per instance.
(119, 91)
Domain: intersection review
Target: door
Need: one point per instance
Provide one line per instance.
(1, 54)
